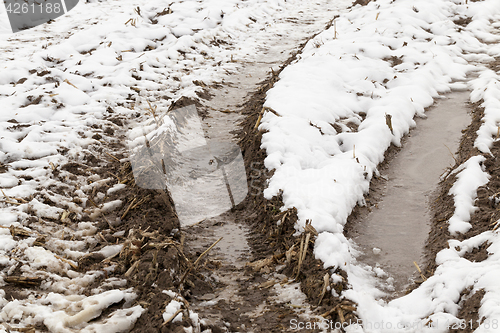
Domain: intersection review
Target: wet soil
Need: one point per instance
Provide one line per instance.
(470, 302)
(251, 276)
(276, 243)
(243, 293)
(217, 283)
(230, 294)
(253, 272)
(160, 254)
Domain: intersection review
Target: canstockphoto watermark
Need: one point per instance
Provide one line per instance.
(26, 14)
(175, 153)
(298, 325)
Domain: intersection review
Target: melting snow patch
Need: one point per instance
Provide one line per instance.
(111, 250)
(171, 310)
(63, 314)
(470, 177)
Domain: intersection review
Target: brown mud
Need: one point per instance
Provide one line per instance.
(159, 255)
(244, 289)
(234, 286)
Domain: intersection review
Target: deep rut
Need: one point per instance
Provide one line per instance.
(229, 296)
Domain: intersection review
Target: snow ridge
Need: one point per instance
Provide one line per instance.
(330, 129)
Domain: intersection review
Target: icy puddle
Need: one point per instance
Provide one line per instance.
(393, 234)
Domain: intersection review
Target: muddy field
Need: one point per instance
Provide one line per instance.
(244, 286)
(240, 271)
(160, 255)
(235, 292)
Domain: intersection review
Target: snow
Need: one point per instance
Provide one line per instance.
(336, 79)
(393, 58)
(470, 177)
(60, 84)
(170, 311)
(116, 188)
(111, 250)
(176, 304)
(290, 295)
(387, 58)
(61, 313)
(486, 88)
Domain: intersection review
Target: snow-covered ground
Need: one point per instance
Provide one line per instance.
(4, 23)
(388, 58)
(65, 89)
(62, 82)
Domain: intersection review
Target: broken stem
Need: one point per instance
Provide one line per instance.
(326, 279)
(452, 155)
(172, 318)
(419, 271)
(197, 261)
(128, 208)
(206, 251)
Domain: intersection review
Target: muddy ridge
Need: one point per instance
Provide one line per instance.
(250, 303)
(269, 239)
(155, 255)
(272, 247)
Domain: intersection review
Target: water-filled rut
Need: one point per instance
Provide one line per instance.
(392, 236)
